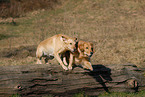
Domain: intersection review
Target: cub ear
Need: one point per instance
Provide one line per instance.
(81, 46)
(63, 38)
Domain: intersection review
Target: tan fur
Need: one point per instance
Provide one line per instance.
(55, 46)
(81, 55)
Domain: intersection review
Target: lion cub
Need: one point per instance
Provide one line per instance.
(81, 55)
(55, 46)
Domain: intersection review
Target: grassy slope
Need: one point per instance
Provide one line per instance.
(116, 27)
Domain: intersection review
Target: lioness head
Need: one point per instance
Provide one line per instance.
(70, 43)
(86, 48)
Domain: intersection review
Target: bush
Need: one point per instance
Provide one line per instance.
(16, 8)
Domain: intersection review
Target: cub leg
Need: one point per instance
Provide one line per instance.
(87, 65)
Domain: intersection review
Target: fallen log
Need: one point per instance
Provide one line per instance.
(39, 80)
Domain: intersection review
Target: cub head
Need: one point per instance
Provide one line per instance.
(70, 43)
(86, 48)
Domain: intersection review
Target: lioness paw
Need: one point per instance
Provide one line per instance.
(65, 68)
(70, 67)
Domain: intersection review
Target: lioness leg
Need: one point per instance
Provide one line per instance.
(56, 55)
(39, 61)
(46, 60)
(64, 60)
(39, 55)
(70, 61)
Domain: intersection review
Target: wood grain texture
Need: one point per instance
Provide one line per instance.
(39, 80)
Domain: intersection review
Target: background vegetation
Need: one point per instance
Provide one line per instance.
(17, 8)
(116, 27)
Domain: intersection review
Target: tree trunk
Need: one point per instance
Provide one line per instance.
(39, 80)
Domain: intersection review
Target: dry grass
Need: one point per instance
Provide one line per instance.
(116, 27)
(17, 8)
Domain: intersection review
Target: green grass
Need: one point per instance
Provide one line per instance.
(112, 94)
(82, 94)
(15, 95)
(116, 94)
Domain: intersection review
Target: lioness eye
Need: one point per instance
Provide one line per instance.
(86, 47)
(70, 43)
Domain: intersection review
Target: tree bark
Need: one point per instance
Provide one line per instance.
(39, 80)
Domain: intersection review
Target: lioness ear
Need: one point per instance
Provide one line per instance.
(91, 44)
(92, 47)
(63, 38)
(75, 39)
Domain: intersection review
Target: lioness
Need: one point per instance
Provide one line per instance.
(81, 55)
(54, 46)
